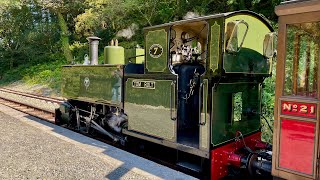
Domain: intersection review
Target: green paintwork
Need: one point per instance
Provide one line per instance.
(257, 31)
(246, 61)
(224, 124)
(215, 43)
(139, 60)
(114, 55)
(154, 97)
(149, 109)
(131, 53)
(158, 64)
(103, 82)
(250, 58)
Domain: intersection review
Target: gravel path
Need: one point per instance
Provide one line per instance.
(32, 149)
(27, 153)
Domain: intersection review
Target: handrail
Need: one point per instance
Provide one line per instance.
(200, 105)
(172, 101)
(135, 56)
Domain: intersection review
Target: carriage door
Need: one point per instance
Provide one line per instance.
(297, 100)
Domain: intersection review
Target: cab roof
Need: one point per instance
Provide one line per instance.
(225, 15)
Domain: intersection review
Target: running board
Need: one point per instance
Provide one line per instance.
(190, 166)
(174, 145)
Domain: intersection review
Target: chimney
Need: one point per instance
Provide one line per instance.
(93, 49)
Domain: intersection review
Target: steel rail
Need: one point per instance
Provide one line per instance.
(53, 100)
(32, 110)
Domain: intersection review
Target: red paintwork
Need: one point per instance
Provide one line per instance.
(234, 160)
(297, 142)
(224, 156)
(301, 109)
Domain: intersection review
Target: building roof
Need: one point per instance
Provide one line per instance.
(288, 7)
(292, 1)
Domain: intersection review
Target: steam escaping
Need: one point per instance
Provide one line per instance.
(190, 15)
(129, 32)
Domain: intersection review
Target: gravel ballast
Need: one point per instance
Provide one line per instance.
(34, 149)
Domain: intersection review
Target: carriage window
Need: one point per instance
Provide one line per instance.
(302, 59)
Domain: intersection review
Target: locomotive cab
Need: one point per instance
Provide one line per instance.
(176, 55)
(206, 75)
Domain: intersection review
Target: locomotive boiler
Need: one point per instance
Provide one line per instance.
(197, 93)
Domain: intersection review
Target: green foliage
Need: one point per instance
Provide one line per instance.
(267, 108)
(23, 41)
(64, 37)
(79, 50)
(49, 74)
(4, 4)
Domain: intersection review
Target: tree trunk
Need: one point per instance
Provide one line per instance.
(64, 37)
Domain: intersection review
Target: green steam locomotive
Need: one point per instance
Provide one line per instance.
(196, 91)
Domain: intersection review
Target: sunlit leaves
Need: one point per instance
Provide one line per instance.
(5, 4)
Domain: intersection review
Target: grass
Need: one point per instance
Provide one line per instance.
(47, 74)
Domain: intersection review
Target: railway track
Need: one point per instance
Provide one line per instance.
(35, 105)
(44, 108)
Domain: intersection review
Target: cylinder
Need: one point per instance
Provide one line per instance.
(93, 49)
(114, 55)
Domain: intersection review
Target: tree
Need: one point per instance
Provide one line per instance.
(107, 17)
(5, 4)
(63, 9)
(16, 21)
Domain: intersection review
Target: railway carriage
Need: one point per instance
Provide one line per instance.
(196, 92)
(296, 127)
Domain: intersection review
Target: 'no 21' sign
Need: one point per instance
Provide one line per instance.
(301, 109)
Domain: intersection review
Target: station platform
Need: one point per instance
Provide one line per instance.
(34, 149)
